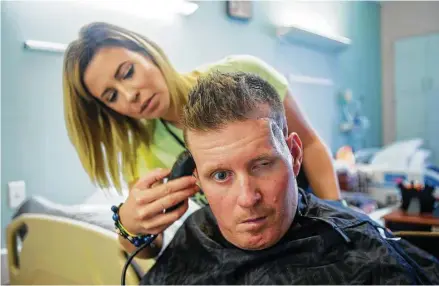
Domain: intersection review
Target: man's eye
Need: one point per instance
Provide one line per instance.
(262, 165)
(220, 176)
(265, 164)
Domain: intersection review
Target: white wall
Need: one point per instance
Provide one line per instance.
(400, 20)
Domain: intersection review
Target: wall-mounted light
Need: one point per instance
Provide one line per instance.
(45, 46)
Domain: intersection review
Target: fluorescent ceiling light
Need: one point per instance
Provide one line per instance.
(147, 9)
(187, 8)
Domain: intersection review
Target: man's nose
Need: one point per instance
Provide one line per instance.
(249, 194)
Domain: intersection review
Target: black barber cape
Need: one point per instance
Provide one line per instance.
(324, 245)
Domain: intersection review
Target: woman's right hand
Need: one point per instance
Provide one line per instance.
(143, 211)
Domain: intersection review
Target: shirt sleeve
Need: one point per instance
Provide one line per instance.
(251, 64)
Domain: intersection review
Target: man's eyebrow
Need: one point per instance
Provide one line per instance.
(115, 76)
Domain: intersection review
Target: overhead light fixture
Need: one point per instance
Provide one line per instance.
(187, 8)
(147, 9)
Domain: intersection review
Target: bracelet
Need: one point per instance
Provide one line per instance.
(137, 240)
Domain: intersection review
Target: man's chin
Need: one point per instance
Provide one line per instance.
(257, 242)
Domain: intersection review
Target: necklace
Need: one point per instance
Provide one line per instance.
(199, 197)
(173, 134)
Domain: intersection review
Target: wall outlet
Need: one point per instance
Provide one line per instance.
(17, 193)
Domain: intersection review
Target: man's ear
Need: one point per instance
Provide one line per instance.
(198, 178)
(295, 147)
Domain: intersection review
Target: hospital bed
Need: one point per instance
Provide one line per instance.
(50, 244)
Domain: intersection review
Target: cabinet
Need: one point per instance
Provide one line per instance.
(417, 90)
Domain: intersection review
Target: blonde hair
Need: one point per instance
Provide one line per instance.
(221, 98)
(99, 134)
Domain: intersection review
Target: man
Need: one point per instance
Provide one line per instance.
(259, 228)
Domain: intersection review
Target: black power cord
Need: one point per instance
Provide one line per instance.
(183, 166)
(132, 255)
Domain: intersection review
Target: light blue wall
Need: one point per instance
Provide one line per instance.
(35, 147)
(360, 66)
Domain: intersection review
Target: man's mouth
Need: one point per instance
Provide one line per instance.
(146, 104)
(255, 220)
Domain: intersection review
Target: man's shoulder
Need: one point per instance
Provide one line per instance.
(374, 243)
(350, 225)
(335, 212)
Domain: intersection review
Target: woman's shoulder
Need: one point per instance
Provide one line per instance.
(235, 63)
(250, 64)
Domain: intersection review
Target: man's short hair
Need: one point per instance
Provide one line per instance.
(221, 98)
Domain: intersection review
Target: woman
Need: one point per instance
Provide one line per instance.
(123, 101)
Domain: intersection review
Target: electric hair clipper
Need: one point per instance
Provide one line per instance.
(184, 166)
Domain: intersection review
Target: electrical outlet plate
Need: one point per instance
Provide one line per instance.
(17, 193)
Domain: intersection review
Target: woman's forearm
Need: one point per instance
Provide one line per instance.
(320, 171)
